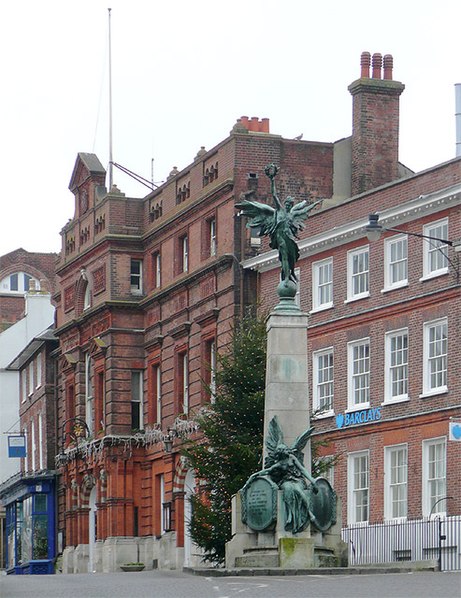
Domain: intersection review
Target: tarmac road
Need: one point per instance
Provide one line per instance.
(174, 584)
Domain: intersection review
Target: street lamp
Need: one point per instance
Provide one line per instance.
(374, 231)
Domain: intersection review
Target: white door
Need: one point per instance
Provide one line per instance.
(189, 489)
(92, 530)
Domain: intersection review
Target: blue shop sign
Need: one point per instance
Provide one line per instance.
(17, 446)
(343, 420)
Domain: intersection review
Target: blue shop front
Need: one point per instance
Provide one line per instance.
(30, 505)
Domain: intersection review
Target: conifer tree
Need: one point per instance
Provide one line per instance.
(231, 446)
(232, 428)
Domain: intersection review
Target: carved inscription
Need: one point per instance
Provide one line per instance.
(259, 504)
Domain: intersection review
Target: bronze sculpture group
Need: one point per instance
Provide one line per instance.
(305, 499)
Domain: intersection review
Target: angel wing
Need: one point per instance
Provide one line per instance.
(261, 214)
(299, 213)
(298, 445)
(273, 439)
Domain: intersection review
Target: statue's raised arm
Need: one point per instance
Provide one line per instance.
(281, 223)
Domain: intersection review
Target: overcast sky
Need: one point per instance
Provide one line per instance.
(183, 71)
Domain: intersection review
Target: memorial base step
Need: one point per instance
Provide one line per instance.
(263, 556)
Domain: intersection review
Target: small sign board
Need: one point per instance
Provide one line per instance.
(17, 446)
(455, 431)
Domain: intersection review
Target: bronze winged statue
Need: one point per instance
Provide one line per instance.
(281, 223)
(284, 465)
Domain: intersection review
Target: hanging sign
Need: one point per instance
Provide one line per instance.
(17, 446)
(455, 431)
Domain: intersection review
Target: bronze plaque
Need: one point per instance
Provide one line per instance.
(322, 505)
(259, 504)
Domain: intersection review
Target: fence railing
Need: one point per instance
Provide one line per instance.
(436, 539)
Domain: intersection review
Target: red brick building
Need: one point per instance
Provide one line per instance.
(148, 291)
(384, 320)
(149, 288)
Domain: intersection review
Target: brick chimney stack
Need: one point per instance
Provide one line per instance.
(375, 127)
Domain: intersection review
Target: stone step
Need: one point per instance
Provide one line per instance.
(257, 560)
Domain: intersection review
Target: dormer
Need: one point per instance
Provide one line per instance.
(87, 183)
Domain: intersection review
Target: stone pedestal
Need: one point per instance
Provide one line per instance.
(287, 394)
(287, 397)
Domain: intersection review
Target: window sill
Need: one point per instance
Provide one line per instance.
(395, 287)
(433, 393)
(357, 298)
(395, 401)
(321, 308)
(361, 407)
(435, 274)
(324, 414)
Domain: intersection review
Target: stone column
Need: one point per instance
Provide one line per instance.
(287, 394)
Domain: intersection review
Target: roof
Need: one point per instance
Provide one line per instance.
(31, 349)
(90, 162)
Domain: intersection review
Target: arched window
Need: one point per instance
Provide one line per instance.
(19, 282)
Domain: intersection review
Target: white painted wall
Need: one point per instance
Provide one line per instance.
(39, 315)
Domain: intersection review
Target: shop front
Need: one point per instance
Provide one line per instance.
(30, 526)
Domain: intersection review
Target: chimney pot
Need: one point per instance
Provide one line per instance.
(388, 62)
(253, 124)
(264, 128)
(365, 60)
(377, 64)
(244, 121)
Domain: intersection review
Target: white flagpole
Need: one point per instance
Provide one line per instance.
(110, 108)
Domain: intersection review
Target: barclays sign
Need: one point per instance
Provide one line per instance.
(343, 420)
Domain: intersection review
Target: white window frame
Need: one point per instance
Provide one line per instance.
(158, 270)
(24, 374)
(158, 398)
(432, 353)
(137, 380)
(185, 380)
(39, 371)
(89, 399)
(319, 381)
(87, 297)
(435, 250)
(213, 363)
(213, 239)
(185, 253)
(136, 287)
(320, 282)
(353, 374)
(298, 287)
(32, 443)
(395, 362)
(31, 374)
(396, 482)
(434, 474)
(358, 490)
(329, 475)
(354, 274)
(390, 264)
(23, 281)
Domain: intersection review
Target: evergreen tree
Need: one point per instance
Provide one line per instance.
(232, 428)
(232, 443)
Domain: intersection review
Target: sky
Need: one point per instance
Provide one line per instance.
(182, 73)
